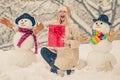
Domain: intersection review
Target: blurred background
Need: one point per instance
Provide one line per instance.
(83, 11)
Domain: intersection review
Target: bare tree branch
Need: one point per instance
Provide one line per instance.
(39, 6)
(100, 10)
(116, 24)
(113, 11)
(86, 8)
(2, 40)
(10, 10)
(47, 13)
(77, 21)
(80, 26)
(93, 7)
(56, 2)
(6, 46)
(62, 2)
(107, 10)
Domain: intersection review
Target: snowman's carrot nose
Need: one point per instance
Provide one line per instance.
(97, 24)
(22, 23)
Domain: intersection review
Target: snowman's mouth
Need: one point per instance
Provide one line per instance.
(22, 25)
(98, 26)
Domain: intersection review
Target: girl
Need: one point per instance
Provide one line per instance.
(65, 58)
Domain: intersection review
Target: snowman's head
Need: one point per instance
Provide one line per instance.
(102, 24)
(25, 21)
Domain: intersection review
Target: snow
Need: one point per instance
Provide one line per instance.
(40, 70)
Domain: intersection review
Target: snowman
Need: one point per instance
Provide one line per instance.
(24, 40)
(100, 58)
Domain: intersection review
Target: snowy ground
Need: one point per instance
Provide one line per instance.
(40, 70)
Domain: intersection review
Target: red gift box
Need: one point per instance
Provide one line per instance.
(55, 35)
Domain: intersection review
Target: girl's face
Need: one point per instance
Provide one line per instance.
(62, 15)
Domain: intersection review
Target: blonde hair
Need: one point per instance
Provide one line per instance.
(64, 7)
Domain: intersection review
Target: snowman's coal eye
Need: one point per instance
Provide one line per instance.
(21, 20)
(25, 20)
(101, 23)
(96, 23)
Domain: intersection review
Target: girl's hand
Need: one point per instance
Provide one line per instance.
(66, 41)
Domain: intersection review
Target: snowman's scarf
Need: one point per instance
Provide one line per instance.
(98, 36)
(27, 32)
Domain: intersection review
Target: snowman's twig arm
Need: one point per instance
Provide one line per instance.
(113, 35)
(6, 22)
(38, 28)
(84, 39)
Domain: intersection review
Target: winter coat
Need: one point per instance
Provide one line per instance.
(68, 56)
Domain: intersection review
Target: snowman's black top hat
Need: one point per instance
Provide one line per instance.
(103, 18)
(25, 15)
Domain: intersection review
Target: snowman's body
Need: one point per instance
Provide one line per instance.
(26, 55)
(21, 56)
(27, 44)
(100, 57)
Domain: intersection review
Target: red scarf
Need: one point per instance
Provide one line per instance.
(27, 32)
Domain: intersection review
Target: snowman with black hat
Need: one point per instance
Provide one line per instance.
(100, 57)
(24, 40)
